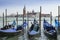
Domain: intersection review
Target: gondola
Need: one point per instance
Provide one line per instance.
(12, 31)
(34, 30)
(49, 30)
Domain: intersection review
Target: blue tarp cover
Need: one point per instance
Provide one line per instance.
(33, 32)
(9, 30)
(57, 23)
(46, 25)
(25, 24)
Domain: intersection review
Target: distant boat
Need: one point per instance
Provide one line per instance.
(49, 30)
(34, 30)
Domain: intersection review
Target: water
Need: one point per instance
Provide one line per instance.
(24, 37)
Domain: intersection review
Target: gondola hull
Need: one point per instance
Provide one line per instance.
(11, 34)
(51, 35)
(36, 35)
(33, 35)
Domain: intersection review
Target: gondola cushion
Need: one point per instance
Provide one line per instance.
(33, 32)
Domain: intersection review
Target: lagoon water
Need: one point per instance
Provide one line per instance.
(24, 37)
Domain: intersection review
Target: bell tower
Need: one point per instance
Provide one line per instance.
(24, 11)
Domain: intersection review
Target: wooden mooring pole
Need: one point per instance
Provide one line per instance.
(51, 17)
(6, 16)
(23, 20)
(17, 18)
(3, 19)
(40, 19)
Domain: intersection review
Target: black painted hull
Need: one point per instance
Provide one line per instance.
(52, 35)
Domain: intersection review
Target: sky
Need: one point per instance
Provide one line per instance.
(14, 6)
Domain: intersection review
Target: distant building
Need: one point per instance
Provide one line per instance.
(11, 15)
(34, 14)
(42, 14)
(30, 14)
(24, 11)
